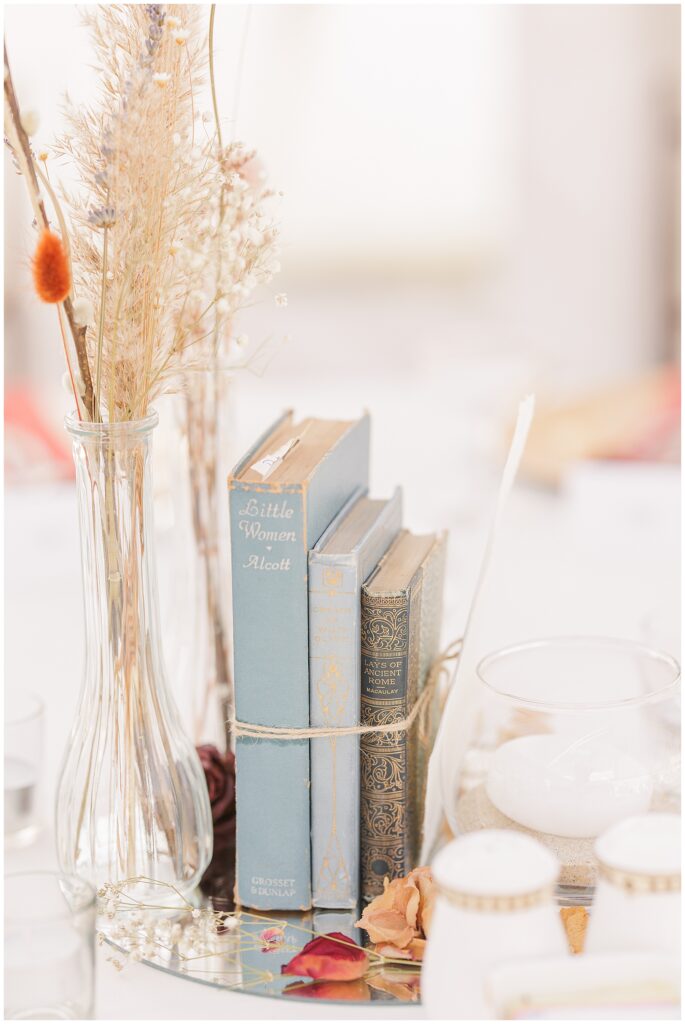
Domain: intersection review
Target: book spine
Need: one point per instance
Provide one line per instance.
(385, 778)
(270, 628)
(326, 921)
(334, 701)
(429, 647)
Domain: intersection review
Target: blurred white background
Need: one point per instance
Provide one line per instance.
(461, 182)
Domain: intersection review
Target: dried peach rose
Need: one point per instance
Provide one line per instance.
(426, 887)
(388, 926)
(402, 913)
(401, 984)
(413, 951)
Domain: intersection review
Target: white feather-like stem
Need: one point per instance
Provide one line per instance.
(461, 706)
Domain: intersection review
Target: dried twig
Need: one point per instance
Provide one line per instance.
(21, 147)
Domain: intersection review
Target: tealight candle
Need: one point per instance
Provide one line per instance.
(564, 786)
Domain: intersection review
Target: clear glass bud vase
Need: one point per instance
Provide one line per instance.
(132, 799)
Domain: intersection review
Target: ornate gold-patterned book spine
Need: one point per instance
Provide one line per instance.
(385, 783)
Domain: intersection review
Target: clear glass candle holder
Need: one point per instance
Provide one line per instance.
(49, 947)
(24, 739)
(574, 734)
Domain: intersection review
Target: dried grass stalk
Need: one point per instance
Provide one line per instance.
(146, 184)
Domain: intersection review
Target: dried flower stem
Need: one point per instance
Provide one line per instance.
(101, 328)
(58, 210)
(21, 148)
(63, 334)
(215, 104)
(203, 403)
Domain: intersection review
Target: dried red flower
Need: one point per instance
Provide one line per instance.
(51, 277)
(332, 957)
(219, 772)
(356, 991)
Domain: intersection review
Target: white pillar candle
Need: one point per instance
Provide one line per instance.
(565, 786)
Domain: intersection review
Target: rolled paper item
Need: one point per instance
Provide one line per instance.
(637, 900)
(460, 712)
(569, 786)
(495, 902)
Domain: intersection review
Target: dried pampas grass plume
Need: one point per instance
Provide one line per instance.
(51, 276)
(168, 231)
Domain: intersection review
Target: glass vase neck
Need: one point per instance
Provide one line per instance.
(115, 432)
(117, 550)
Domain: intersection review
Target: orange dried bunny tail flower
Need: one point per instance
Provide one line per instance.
(51, 277)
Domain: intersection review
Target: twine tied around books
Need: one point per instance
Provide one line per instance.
(439, 668)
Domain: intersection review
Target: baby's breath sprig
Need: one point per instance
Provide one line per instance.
(145, 929)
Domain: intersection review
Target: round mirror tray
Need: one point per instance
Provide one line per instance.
(208, 941)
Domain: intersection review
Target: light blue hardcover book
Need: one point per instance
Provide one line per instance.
(326, 921)
(282, 496)
(338, 565)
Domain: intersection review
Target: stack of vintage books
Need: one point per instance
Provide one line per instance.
(337, 613)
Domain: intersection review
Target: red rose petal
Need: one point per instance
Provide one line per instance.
(333, 957)
(356, 991)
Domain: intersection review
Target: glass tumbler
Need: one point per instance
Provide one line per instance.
(574, 734)
(23, 754)
(49, 947)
